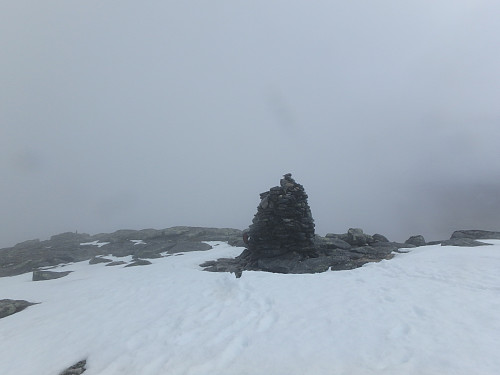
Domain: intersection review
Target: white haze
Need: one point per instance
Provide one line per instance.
(120, 114)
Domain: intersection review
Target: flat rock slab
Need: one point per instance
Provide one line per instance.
(11, 306)
(295, 263)
(116, 263)
(465, 242)
(476, 234)
(48, 275)
(139, 262)
(97, 260)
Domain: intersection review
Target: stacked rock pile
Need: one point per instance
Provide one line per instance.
(283, 222)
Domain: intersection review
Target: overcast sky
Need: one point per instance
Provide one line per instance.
(138, 114)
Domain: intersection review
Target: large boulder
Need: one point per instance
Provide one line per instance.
(417, 240)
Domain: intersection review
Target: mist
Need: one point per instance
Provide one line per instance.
(156, 114)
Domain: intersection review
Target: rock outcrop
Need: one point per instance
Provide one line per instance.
(69, 247)
(476, 234)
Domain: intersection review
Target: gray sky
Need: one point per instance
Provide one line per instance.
(128, 114)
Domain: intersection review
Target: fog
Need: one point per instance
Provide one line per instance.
(153, 114)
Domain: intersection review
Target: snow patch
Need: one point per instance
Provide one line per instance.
(94, 243)
(431, 311)
(138, 242)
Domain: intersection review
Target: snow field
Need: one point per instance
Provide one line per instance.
(431, 311)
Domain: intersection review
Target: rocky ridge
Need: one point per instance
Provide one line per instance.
(29, 256)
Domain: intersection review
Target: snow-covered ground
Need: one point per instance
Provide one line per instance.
(434, 310)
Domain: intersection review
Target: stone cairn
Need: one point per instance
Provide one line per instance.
(283, 222)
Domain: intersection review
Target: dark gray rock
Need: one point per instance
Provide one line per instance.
(476, 234)
(29, 244)
(464, 242)
(70, 238)
(97, 260)
(296, 264)
(116, 263)
(11, 306)
(379, 238)
(77, 369)
(146, 254)
(391, 246)
(48, 275)
(417, 240)
(434, 242)
(374, 252)
(139, 262)
(310, 265)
